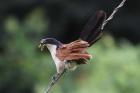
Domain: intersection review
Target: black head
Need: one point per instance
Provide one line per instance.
(51, 41)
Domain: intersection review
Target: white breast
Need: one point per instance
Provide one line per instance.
(59, 64)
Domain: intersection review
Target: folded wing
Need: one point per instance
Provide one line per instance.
(74, 51)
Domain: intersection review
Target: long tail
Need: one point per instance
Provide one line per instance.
(54, 80)
(92, 30)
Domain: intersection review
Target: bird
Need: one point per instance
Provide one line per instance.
(68, 56)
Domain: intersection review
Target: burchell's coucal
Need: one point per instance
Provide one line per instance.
(67, 56)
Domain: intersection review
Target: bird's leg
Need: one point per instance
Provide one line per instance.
(54, 80)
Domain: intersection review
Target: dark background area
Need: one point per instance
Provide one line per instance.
(67, 17)
(23, 68)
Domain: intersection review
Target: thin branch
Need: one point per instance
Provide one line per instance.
(54, 80)
(113, 13)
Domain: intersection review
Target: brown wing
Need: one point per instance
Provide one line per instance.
(74, 51)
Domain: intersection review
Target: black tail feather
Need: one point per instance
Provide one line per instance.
(92, 31)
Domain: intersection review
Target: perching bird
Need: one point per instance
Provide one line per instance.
(68, 56)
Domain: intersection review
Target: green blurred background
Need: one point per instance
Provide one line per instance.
(115, 67)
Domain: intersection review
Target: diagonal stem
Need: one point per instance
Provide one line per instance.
(113, 13)
(54, 80)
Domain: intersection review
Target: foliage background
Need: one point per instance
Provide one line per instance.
(25, 69)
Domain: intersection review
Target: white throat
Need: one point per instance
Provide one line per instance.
(52, 48)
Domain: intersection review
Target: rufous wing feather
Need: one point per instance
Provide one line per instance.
(74, 51)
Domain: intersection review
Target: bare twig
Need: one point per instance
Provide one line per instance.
(54, 80)
(113, 13)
